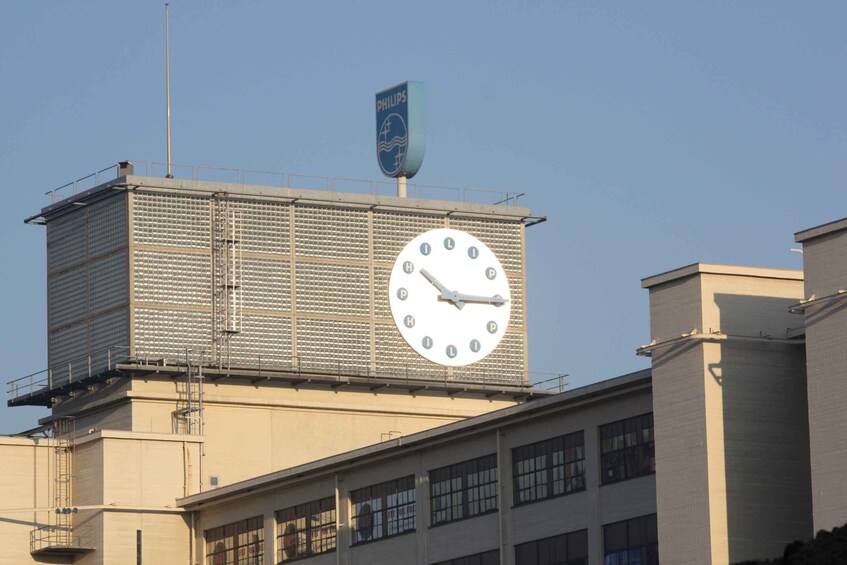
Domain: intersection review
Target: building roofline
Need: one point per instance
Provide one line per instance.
(720, 269)
(369, 454)
(280, 194)
(818, 231)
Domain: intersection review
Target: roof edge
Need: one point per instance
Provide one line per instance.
(818, 231)
(625, 382)
(721, 269)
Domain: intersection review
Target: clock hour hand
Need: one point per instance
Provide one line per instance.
(495, 300)
(446, 294)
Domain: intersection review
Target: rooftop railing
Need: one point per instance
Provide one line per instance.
(288, 180)
(104, 362)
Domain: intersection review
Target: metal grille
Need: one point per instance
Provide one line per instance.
(392, 231)
(338, 290)
(173, 278)
(180, 221)
(266, 285)
(66, 345)
(105, 332)
(516, 290)
(333, 345)
(504, 364)
(165, 334)
(395, 358)
(264, 227)
(107, 283)
(382, 309)
(504, 239)
(331, 233)
(265, 342)
(106, 225)
(67, 296)
(66, 241)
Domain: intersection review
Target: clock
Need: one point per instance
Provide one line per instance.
(449, 297)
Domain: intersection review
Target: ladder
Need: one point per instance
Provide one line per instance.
(62, 442)
(226, 274)
(188, 417)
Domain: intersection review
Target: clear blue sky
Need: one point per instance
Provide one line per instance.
(652, 134)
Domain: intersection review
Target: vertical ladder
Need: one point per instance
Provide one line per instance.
(62, 440)
(226, 272)
(188, 417)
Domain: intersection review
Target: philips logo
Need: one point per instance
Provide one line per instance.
(389, 102)
(400, 132)
(392, 143)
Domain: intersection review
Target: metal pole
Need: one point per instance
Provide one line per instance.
(401, 187)
(168, 87)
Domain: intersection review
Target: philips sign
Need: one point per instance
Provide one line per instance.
(400, 129)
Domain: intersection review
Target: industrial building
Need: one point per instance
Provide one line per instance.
(235, 377)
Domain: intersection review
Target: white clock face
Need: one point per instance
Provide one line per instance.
(449, 297)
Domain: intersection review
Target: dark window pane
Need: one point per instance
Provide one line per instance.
(578, 545)
(526, 554)
(614, 537)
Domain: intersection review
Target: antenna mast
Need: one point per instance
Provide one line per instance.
(168, 87)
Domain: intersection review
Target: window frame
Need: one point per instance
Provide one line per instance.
(390, 496)
(459, 488)
(548, 448)
(567, 539)
(647, 548)
(492, 556)
(305, 512)
(230, 536)
(625, 445)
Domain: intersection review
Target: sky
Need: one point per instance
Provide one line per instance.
(652, 135)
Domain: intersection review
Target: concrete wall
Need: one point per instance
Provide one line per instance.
(24, 487)
(251, 430)
(730, 415)
(824, 250)
(589, 509)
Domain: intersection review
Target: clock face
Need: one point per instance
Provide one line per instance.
(449, 297)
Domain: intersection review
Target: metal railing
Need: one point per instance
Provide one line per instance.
(558, 382)
(291, 180)
(60, 537)
(78, 369)
(107, 360)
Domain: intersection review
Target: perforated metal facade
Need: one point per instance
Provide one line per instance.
(137, 269)
(87, 282)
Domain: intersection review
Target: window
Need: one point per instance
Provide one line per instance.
(463, 490)
(627, 449)
(383, 510)
(487, 558)
(632, 542)
(305, 530)
(564, 549)
(241, 543)
(549, 468)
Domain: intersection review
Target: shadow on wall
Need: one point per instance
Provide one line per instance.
(765, 426)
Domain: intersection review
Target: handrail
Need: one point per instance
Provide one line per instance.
(289, 180)
(107, 360)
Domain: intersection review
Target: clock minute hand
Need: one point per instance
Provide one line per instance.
(495, 300)
(446, 294)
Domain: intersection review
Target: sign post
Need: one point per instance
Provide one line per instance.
(400, 131)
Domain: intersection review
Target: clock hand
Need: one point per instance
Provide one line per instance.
(495, 300)
(446, 294)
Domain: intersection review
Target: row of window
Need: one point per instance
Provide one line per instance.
(300, 535)
(630, 542)
(542, 470)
